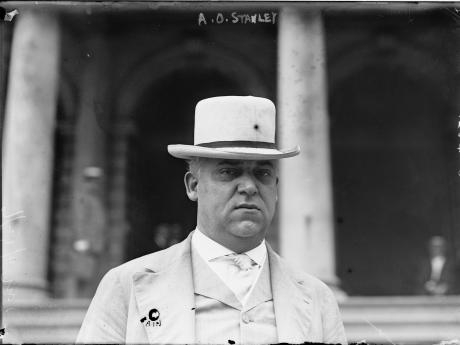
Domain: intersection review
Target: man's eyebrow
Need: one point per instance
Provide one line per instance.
(235, 162)
(270, 163)
(229, 162)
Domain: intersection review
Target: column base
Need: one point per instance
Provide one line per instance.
(18, 291)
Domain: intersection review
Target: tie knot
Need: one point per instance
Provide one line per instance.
(243, 261)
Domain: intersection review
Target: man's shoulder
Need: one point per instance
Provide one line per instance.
(302, 277)
(309, 280)
(314, 289)
(148, 262)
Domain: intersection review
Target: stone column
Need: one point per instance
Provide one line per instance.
(306, 210)
(454, 179)
(28, 154)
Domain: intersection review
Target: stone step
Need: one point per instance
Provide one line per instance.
(402, 319)
(381, 320)
(53, 321)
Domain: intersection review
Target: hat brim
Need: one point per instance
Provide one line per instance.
(248, 153)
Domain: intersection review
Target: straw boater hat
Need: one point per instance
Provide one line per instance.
(234, 127)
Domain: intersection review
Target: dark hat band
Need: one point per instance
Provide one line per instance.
(239, 143)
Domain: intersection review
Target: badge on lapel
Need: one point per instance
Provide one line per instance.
(153, 318)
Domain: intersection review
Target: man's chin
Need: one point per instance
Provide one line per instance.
(248, 228)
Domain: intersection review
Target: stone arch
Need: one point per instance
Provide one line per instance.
(186, 56)
(357, 56)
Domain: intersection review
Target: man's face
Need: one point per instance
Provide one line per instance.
(437, 247)
(236, 200)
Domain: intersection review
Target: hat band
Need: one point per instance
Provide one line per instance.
(239, 143)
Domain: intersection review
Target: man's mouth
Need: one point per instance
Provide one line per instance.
(247, 206)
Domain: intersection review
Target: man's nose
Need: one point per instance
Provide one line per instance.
(247, 184)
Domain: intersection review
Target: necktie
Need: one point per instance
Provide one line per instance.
(242, 272)
(243, 262)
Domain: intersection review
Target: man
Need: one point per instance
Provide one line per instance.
(223, 284)
(437, 274)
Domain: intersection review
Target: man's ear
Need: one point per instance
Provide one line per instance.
(276, 197)
(191, 185)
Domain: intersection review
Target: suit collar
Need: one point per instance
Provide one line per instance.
(167, 285)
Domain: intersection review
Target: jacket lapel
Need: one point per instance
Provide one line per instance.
(208, 284)
(292, 302)
(262, 291)
(167, 286)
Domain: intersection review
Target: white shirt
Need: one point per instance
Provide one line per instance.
(437, 264)
(210, 250)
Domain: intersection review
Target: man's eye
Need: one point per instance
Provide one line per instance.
(228, 172)
(264, 173)
(266, 176)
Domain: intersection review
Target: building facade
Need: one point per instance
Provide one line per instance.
(95, 92)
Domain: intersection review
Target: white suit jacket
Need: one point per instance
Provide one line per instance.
(305, 308)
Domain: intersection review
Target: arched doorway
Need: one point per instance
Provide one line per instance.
(390, 169)
(159, 212)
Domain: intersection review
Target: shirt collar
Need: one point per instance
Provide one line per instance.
(210, 249)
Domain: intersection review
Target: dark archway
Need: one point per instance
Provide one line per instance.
(157, 203)
(389, 145)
